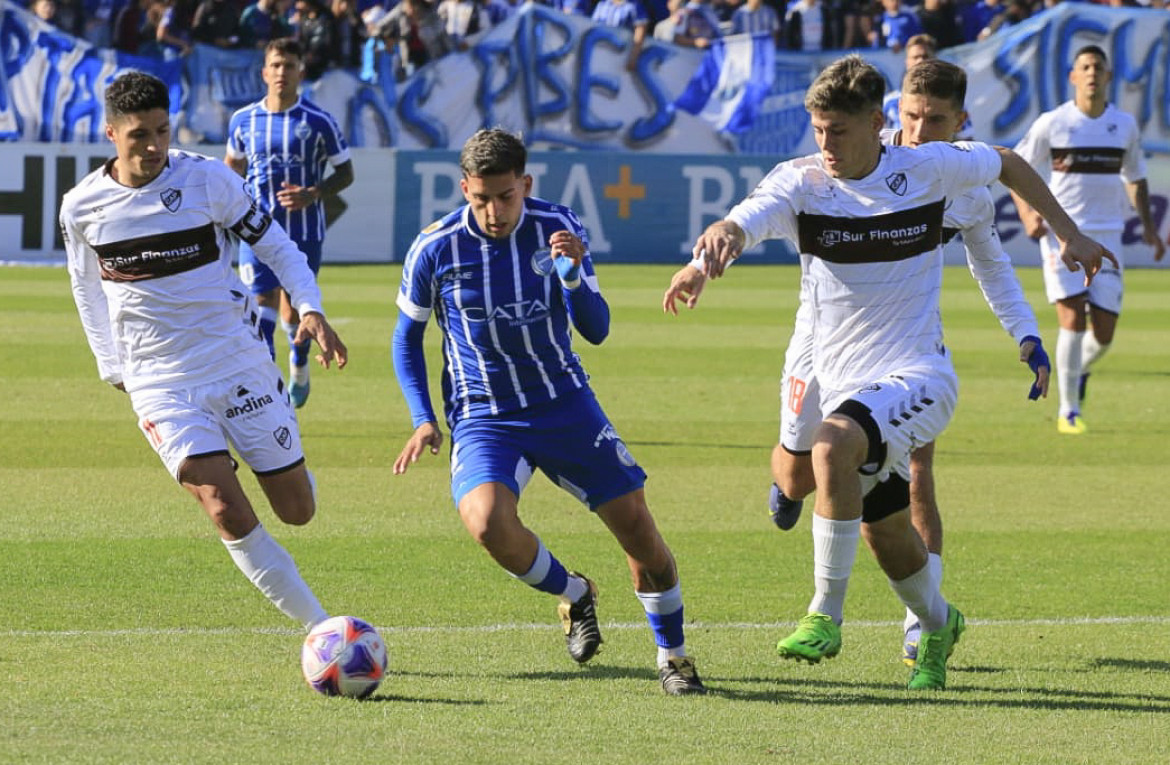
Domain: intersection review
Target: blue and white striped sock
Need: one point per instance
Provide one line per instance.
(664, 611)
(548, 575)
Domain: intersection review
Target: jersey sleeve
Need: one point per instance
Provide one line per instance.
(235, 143)
(1035, 148)
(768, 213)
(1133, 169)
(416, 294)
(238, 213)
(964, 165)
(92, 306)
(992, 269)
(335, 146)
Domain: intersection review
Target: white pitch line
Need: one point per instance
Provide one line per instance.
(514, 627)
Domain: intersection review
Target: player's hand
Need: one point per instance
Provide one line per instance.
(1033, 354)
(425, 436)
(1082, 252)
(686, 285)
(1150, 237)
(720, 244)
(293, 197)
(313, 325)
(567, 252)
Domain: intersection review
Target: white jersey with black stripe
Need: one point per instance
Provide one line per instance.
(874, 268)
(152, 276)
(1085, 161)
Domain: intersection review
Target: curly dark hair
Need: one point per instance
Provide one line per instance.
(136, 92)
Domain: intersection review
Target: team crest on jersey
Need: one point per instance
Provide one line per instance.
(1112, 127)
(283, 437)
(172, 198)
(897, 183)
(303, 131)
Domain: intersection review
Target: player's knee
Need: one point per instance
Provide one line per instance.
(796, 478)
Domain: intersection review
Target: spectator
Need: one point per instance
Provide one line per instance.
(939, 20)
(136, 28)
(463, 19)
(756, 18)
(316, 31)
(351, 33)
(45, 10)
(624, 14)
(725, 9)
(977, 16)
(853, 23)
(99, 20)
(808, 27)
(665, 29)
(216, 22)
(264, 20)
(1017, 11)
(897, 26)
(413, 28)
(174, 29)
(573, 7)
(698, 25)
(498, 11)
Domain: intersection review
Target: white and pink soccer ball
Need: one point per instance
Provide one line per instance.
(344, 656)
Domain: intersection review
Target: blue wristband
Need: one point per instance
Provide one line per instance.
(568, 271)
(1038, 358)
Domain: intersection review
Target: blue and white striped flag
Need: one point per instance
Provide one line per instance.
(732, 81)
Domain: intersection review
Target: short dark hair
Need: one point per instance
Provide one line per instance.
(1094, 50)
(288, 46)
(493, 151)
(849, 85)
(937, 79)
(136, 92)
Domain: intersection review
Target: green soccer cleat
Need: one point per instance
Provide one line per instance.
(817, 637)
(934, 648)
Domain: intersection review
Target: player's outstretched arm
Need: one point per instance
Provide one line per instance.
(313, 325)
(1077, 250)
(686, 285)
(425, 436)
(720, 244)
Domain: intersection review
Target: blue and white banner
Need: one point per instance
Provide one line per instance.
(564, 83)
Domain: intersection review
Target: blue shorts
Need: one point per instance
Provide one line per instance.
(571, 441)
(259, 278)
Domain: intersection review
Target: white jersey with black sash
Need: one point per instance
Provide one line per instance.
(152, 276)
(1085, 160)
(872, 252)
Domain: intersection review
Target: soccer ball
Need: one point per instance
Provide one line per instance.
(344, 656)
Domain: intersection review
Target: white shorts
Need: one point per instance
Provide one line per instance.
(907, 408)
(800, 396)
(251, 411)
(1104, 292)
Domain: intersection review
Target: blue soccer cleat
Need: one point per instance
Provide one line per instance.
(785, 512)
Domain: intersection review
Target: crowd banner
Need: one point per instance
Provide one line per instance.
(565, 83)
(639, 207)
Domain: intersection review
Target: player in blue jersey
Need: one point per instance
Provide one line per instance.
(505, 277)
(281, 145)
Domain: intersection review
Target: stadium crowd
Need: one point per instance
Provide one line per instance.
(352, 33)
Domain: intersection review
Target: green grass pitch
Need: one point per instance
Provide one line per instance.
(129, 637)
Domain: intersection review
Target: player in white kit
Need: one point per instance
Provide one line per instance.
(149, 238)
(868, 221)
(1092, 153)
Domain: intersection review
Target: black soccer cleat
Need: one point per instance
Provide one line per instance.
(679, 678)
(582, 633)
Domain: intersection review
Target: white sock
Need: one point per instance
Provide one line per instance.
(269, 566)
(920, 592)
(1091, 350)
(934, 563)
(834, 550)
(1068, 369)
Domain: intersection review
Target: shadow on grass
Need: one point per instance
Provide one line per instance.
(591, 672)
(1138, 665)
(378, 698)
(834, 692)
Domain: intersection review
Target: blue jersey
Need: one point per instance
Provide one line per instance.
(291, 146)
(626, 14)
(505, 325)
